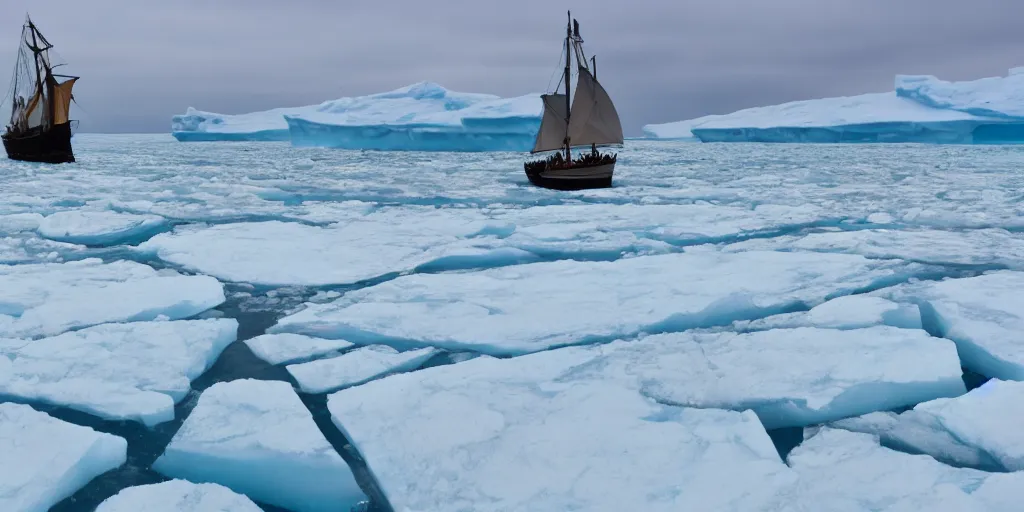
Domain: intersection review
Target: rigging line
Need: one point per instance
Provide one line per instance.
(558, 69)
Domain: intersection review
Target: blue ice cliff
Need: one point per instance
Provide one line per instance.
(922, 109)
(420, 117)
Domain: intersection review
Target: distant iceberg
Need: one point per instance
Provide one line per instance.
(923, 109)
(420, 117)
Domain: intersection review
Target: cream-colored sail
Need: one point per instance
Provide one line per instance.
(593, 117)
(62, 101)
(34, 111)
(553, 124)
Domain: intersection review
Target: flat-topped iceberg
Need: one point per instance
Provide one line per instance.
(420, 117)
(178, 496)
(257, 438)
(922, 109)
(44, 460)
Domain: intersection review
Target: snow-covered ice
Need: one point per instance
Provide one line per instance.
(178, 496)
(528, 433)
(526, 308)
(993, 96)
(420, 117)
(98, 227)
(289, 348)
(979, 429)
(134, 371)
(843, 471)
(50, 298)
(257, 438)
(984, 315)
(356, 367)
(44, 460)
(847, 312)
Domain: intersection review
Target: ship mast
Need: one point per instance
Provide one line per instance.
(568, 60)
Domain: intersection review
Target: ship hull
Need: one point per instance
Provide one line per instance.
(578, 177)
(52, 146)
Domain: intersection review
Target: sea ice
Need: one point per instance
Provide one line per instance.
(48, 299)
(848, 312)
(134, 371)
(356, 367)
(289, 348)
(849, 472)
(257, 438)
(984, 315)
(448, 438)
(19, 222)
(791, 377)
(178, 496)
(527, 308)
(45, 460)
(99, 227)
(975, 429)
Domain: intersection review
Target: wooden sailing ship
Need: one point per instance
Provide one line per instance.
(39, 129)
(590, 120)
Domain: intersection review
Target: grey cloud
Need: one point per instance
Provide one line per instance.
(143, 61)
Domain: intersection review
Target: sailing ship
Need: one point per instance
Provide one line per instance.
(590, 120)
(39, 129)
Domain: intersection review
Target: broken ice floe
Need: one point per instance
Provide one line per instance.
(848, 312)
(289, 348)
(356, 367)
(103, 227)
(178, 496)
(257, 438)
(44, 460)
(135, 371)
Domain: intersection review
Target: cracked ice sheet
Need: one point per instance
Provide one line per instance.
(412, 237)
(528, 308)
(850, 472)
(356, 367)
(448, 438)
(103, 227)
(848, 312)
(178, 496)
(980, 429)
(257, 438)
(971, 247)
(984, 315)
(789, 377)
(135, 371)
(46, 460)
(50, 298)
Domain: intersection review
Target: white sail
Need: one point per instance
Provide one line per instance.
(553, 124)
(593, 117)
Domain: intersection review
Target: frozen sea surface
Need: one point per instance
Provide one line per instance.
(722, 298)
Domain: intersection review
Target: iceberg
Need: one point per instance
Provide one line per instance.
(46, 460)
(979, 429)
(47, 299)
(288, 348)
(450, 437)
(357, 367)
(135, 371)
(420, 117)
(178, 496)
(850, 472)
(527, 308)
(983, 315)
(257, 438)
(99, 228)
(922, 109)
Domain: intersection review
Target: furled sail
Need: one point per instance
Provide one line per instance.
(553, 124)
(594, 119)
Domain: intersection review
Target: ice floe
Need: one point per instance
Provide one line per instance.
(356, 367)
(450, 437)
(527, 308)
(984, 315)
(45, 460)
(98, 227)
(135, 371)
(289, 348)
(178, 496)
(50, 298)
(980, 429)
(847, 312)
(257, 438)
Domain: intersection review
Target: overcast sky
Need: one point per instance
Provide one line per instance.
(661, 60)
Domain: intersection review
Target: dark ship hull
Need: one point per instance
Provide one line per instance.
(577, 177)
(51, 146)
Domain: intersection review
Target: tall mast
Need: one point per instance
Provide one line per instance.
(568, 59)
